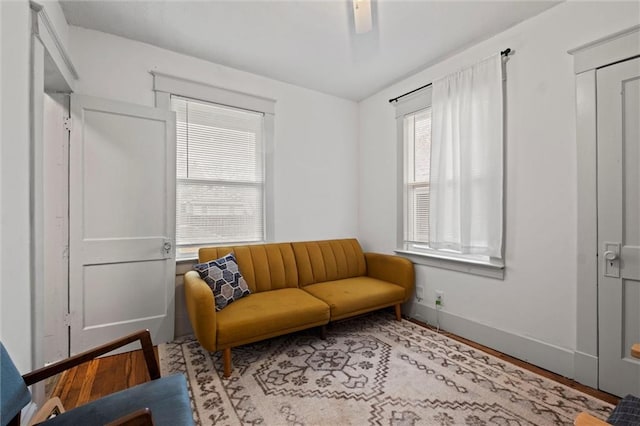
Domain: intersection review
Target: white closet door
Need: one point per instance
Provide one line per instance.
(619, 226)
(122, 221)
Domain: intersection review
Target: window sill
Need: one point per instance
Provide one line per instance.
(490, 269)
(185, 265)
(475, 267)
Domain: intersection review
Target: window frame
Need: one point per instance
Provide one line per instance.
(166, 86)
(417, 252)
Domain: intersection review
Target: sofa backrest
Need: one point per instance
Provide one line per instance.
(320, 261)
(263, 266)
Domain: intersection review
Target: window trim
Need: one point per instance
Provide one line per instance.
(492, 268)
(196, 90)
(165, 85)
(407, 105)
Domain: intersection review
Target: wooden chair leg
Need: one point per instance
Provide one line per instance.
(50, 407)
(323, 332)
(585, 419)
(398, 312)
(635, 350)
(226, 359)
(15, 421)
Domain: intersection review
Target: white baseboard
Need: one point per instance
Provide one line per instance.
(550, 357)
(585, 367)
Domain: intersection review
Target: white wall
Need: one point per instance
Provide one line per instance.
(15, 292)
(537, 298)
(315, 149)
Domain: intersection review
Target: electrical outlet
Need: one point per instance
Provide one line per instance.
(419, 293)
(439, 298)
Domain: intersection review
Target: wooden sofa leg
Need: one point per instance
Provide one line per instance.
(398, 312)
(226, 359)
(323, 332)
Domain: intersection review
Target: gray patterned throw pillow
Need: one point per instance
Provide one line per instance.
(225, 280)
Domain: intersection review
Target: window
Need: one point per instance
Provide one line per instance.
(413, 115)
(417, 142)
(450, 140)
(224, 157)
(416, 133)
(220, 175)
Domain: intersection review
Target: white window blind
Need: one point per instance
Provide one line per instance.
(220, 175)
(417, 135)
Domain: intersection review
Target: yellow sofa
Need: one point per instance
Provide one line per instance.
(294, 286)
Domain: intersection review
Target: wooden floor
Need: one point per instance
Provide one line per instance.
(100, 377)
(612, 399)
(110, 374)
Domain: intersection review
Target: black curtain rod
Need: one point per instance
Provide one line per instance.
(505, 52)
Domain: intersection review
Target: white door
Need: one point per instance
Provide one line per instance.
(618, 91)
(122, 221)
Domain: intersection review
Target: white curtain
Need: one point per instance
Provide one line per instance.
(466, 161)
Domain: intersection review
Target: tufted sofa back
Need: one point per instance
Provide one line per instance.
(320, 261)
(284, 265)
(264, 266)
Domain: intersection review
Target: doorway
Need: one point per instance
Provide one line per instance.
(607, 295)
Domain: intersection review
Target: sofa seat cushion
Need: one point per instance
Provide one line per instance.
(268, 314)
(353, 296)
(167, 398)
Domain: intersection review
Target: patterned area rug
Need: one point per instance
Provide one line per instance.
(369, 370)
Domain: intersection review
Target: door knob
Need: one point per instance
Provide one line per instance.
(167, 247)
(611, 259)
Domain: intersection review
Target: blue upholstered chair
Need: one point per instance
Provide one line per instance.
(160, 401)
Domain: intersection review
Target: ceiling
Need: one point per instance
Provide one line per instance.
(308, 43)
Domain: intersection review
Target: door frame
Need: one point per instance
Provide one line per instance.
(55, 230)
(587, 59)
(51, 71)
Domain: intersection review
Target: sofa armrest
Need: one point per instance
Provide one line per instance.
(393, 269)
(202, 309)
